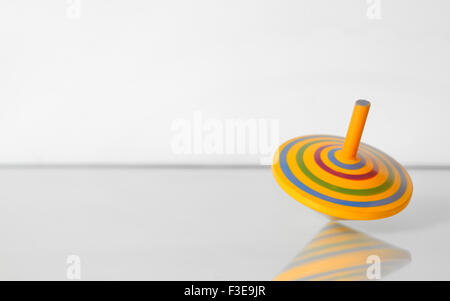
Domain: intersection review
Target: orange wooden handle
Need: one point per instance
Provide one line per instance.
(355, 130)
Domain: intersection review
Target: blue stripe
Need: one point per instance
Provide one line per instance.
(332, 158)
(288, 173)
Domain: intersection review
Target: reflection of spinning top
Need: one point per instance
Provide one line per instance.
(340, 253)
(340, 177)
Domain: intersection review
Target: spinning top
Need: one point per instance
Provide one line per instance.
(341, 253)
(341, 177)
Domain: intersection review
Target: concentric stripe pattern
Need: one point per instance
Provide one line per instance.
(309, 168)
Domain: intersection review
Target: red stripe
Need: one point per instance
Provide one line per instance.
(322, 165)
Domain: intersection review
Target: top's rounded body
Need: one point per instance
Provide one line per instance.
(330, 175)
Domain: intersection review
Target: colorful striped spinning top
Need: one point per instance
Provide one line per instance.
(341, 177)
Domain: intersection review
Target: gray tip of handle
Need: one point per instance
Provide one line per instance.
(362, 102)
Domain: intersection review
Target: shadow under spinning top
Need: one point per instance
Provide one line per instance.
(341, 253)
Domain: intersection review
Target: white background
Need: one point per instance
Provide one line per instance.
(107, 86)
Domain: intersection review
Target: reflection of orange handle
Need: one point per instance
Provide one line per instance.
(355, 130)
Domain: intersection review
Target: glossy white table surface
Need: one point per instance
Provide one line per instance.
(190, 224)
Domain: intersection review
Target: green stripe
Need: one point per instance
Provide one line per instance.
(363, 192)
